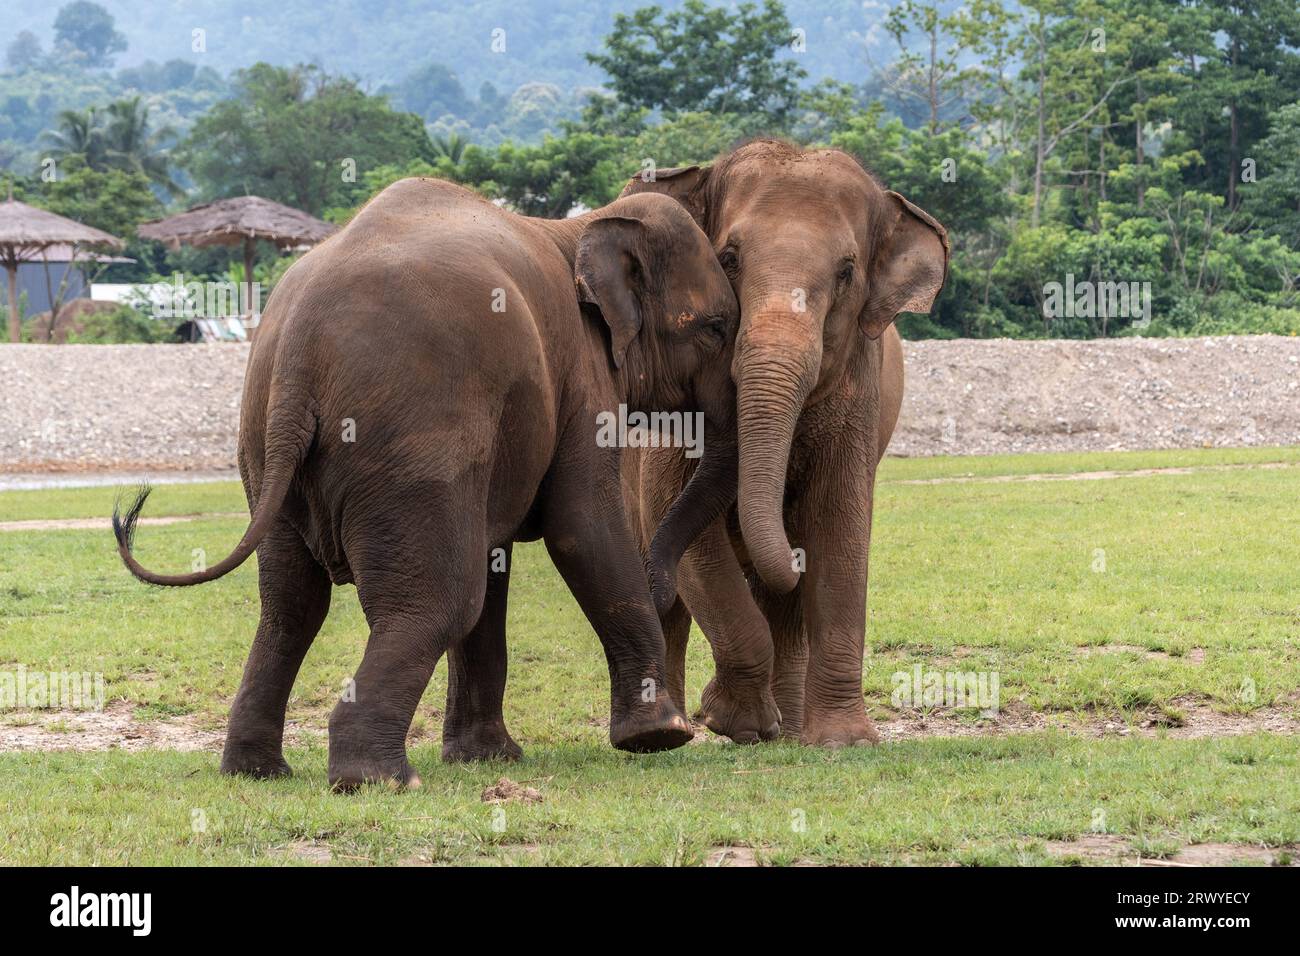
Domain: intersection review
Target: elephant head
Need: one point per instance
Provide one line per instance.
(821, 258)
(650, 274)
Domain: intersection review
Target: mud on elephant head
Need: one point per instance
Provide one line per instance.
(821, 257)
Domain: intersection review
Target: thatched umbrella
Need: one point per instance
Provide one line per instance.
(26, 232)
(229, 222)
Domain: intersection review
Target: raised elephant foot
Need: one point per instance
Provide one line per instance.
(486, 741)
(856, 730)
(654, 726)
(746, 717)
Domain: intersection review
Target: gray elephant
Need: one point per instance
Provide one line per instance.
(822, 260)
(425, 389)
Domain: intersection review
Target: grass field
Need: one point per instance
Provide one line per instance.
(1145, 630)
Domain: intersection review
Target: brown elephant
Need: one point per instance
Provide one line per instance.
(822, 260)
(426, 388)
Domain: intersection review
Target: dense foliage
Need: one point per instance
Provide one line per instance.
(1066, 144)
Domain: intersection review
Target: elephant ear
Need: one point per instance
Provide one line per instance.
(610, 277)
(683, 183)
(910, 266)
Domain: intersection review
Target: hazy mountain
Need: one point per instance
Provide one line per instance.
(381, 41)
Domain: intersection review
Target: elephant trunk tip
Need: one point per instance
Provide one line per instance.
(776, 565)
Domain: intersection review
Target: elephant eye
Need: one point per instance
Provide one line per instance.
(729, 259)
(845, 275)
(715, 328)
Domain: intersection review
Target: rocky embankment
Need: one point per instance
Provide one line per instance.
(80, 408)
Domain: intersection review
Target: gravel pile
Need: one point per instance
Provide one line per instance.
(969, 397)
(176, 407)
(113, 407)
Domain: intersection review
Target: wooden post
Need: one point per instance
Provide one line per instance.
(250, 247)
(15, 323)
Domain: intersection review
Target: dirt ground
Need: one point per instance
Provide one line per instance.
(176, 407)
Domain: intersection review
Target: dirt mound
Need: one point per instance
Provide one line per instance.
(968, 397)
(176, 407)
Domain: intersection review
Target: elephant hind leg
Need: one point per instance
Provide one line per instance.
(295, 597)
(475, 727)
(421, 578)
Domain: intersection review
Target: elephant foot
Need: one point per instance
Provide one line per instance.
(345, 776)
(256, 769)
(488, 740)
(834, 731)
(747, 717)
(363, 751)
(653, 726)
(257, 760)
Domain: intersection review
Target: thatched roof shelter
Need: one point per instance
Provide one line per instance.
(26, 232)
(243, 220)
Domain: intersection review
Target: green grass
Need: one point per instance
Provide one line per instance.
(972, 576)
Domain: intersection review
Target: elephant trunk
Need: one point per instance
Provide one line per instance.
(772, 383)
(706, 497)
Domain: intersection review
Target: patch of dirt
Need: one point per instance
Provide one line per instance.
(732, 856)
(308, 851)
(116, 727)
(104, 524)
(506, 790)
(1092, 650)
(1116, 850)
(1183, 718)
(1227, 854)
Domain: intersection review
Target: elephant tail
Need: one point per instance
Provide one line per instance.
(290, 433)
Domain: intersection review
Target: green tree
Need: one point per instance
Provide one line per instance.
(931, 79)
(132, 145)
(1274, 201)
(114, 200)
(77, 134)
(549, 179)
(700, 58)
(118, 136)
(1242, 59)
(88, 28)
(24, 53)
(301, 137)
(432, 92)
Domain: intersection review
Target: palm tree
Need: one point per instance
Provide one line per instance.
(78, 134)
(116, 137)
(452, 146)
(130, 145)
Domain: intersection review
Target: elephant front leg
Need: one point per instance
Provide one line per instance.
(834, 599)
(737, 702)
(784, 615)
(589, 540)
(475, 727)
